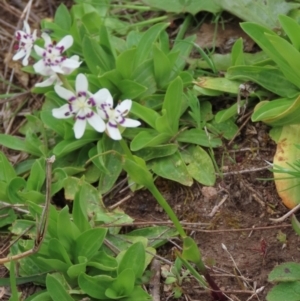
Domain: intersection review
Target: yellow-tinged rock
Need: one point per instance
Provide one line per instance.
(288, 187)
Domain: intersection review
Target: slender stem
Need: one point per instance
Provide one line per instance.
(183, 28)
(135, 7)
(150, 21)
(164, 204)
(65, 82)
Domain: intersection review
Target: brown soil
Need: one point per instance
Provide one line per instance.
(241, 223)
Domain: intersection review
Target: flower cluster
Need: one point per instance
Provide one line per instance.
(86, 108)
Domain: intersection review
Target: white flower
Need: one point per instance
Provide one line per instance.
(80, 105)
(115, 116)
(52, 59)
(26, 40)
(54, 79)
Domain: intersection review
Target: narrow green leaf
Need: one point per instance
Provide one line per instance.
(148, 139)
(56, 289)
(7, 172)
(62, 17)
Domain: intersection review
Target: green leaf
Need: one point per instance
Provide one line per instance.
(56, 289)
(8, 216)
(172, 168)
(133, 259)
(123, 286)
(76, 269)
(66, 230)
(57, 251)
(169, 122)
(137, 170)
(37, 175)
(103, 261)
(112, 162)
(92, 22)
(191, 251)
(18, 144)
(199, 136)
(131, 89)
(13, 188)
(188, 6)
(285, 291)
(51, 122)
(95, 286)
(148, 138)
(237, 53)
(138, 294)
(7, 172)
(62, 17)
(288, 271)
(145, 44)
(295, 224)
(40, 296)
(124, 63)
(291, 28)
(160, 151)
(162, 66)
(270, 78)
(89, 242)
(143, 112)
(199, 165)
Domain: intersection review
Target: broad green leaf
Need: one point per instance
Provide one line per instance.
(226, 129)
(13, 188)
(295, 224)
(172, 168)
(18, 144)
(53, 264)
(7, 172)
(122, 286)
(57, 251)
(92, 23)
(156, 236)
(37, 175)
(56, 289)
(191, 250)
(145, 44)
(67, 146)
(8, 216)
(291, 28)
(186, 6)
(40, 296)
(285, 291)
(237, 53)
(113, 164)
(138, 294)
(143, 112)
(278, 112)
(270, 78)
(168, 123)
(76, 269)
(51, 122)
(264, 12)
(200, 137)
(66, 230)
(62, 17)
(94, 286)
(159, 151)
(162, 66)
(103, 261)
(199, 165)
(131, 89)
(137, 170)
(288, 271)
(89, 242)
(124, 63)
(134, 259)
(148, 139)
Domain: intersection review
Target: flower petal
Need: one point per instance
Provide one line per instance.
(26, 27)
(66, 42)
(63, 112)
(47, 39)
(124, 107)
(57, 69)
(49, 81)
(63, 92)
(96, 122)
(103, 96)
(19, 54)
(25, 59)
(130, 123)
(81, 83)
(113, 131)
(39, 50)
(40, 68)
(70, 64)
(79, 128)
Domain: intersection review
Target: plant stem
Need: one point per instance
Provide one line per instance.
(164, 204)
(150, 21)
